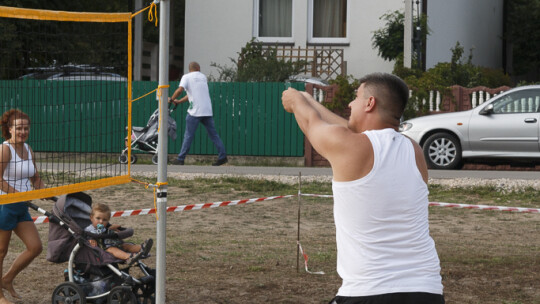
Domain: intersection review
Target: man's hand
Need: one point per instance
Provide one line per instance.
(289, 98)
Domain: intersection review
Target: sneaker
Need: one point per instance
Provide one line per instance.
(220, 162)
(145, 248)
(177, 162)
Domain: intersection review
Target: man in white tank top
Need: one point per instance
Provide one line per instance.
(384, 251)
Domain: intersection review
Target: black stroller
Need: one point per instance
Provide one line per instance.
(93, 275)
(146, 138)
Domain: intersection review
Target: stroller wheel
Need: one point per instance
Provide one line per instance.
(155, 159)
(121, 295)
(68, 292)
(146, 294)
(123, 159)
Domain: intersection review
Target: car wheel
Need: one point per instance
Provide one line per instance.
(442, 151)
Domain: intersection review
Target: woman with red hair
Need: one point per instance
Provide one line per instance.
(17, 174)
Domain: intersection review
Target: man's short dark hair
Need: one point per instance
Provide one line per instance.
(391, 91)
(194, 66)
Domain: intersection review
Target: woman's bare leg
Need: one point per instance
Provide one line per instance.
(29, 235)
(5, 237)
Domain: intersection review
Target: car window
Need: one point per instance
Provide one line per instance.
(525, 101)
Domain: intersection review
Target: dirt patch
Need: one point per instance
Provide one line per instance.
(247, 253)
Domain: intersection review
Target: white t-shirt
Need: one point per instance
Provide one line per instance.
(18, 171)
(382, 229)
(196, 86)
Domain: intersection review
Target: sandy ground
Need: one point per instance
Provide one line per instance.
(248, 253)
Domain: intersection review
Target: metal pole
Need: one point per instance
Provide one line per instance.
(407, 35)
(298, 234)
(162, 150)
(418, 36)
(137, 42)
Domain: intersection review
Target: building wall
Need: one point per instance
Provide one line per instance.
(475, 24)
(216, 30)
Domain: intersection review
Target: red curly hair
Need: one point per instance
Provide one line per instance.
(8, 118)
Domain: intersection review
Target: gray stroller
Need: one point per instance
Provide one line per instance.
(92, 275)
(146, 138)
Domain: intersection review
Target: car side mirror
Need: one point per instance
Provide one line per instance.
(487, 110)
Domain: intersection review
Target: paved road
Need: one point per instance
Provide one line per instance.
(310, 171)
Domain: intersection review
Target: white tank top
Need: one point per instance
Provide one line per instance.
(382, 229)
(18, 171)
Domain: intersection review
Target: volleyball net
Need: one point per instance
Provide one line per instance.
(71, 73)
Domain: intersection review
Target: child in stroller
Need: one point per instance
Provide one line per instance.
(100, 217)
(93, 275)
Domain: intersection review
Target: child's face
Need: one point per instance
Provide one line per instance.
(100, 218)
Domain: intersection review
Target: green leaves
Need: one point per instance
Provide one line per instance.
(257, 63)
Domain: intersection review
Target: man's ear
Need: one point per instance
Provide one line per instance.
(371, 104)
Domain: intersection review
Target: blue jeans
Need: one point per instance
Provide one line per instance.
(191, 126)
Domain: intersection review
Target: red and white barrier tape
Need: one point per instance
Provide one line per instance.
(306, 258)
(486, 207)
(44, 219)
(465, 206)
(317, 195)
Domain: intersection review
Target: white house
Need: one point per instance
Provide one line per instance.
(477, 25)
(215, 30)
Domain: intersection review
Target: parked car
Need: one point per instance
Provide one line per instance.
(506, 126)
(73, 72)
(318, 93)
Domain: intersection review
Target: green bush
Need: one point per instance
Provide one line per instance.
(444, 75)
(345, 93)
(256, 63)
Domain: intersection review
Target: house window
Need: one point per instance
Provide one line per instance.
(328, 21)
(273, 20)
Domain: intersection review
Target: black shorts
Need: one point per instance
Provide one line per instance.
(392, 298)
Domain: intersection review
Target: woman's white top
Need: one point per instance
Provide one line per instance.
(18, 171)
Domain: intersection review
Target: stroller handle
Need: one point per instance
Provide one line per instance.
(123, 233)
(172, 107)
(52, 218)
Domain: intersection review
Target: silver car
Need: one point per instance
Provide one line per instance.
(504, 127)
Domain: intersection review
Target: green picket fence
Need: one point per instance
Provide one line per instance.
(249, 118)
(89, 116)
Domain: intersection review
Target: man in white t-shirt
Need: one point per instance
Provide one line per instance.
(385, 254)
(195, 84)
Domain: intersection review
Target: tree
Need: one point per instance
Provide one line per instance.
(522, 35)
(389, 39)
(26, 44)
